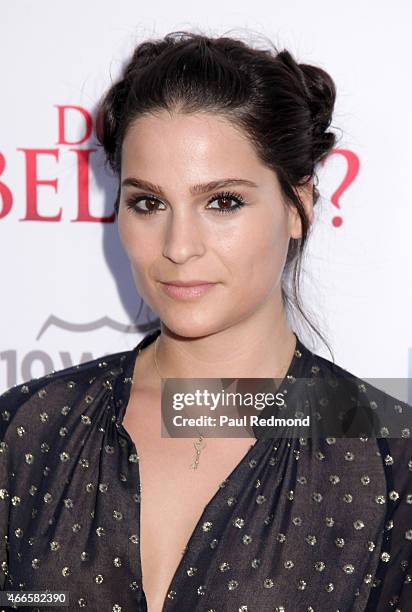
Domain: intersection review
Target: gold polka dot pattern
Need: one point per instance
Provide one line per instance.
(297, 525)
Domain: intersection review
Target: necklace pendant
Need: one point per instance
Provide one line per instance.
(199, 444)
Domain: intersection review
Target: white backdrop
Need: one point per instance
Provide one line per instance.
(67, 294)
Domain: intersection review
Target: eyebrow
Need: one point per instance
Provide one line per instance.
(195, 189)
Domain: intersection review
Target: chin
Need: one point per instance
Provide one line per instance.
(190, 325)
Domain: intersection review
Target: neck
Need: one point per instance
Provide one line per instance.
(250, 349)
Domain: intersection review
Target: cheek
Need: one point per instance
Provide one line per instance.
(138, 249)
(256, 255)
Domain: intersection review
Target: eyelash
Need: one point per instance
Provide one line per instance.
(227, 195)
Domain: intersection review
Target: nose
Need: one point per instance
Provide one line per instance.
(184, 237)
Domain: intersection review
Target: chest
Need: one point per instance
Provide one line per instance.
(173, 495)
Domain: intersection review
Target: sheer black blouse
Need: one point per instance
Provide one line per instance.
(296, 526)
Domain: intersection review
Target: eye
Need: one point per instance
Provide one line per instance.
(134, 200)
(226, 197)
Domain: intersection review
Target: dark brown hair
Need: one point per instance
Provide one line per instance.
(284, 107)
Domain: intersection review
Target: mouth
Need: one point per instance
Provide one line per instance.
(187, 290)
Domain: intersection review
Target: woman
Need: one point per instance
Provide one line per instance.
(215, 146)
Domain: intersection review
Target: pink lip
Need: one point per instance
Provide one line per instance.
(192, 283)
(186, 291)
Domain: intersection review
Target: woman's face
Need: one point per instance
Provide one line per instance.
(186, 238)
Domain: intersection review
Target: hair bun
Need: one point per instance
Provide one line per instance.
(318, 91)
(321, 95)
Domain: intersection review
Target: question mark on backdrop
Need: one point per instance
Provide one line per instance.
(353, 164)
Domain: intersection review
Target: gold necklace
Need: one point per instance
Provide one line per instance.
(200, 443)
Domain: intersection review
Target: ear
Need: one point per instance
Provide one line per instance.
(305, 193)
